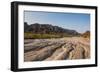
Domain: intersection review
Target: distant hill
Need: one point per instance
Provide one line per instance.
(37, 28)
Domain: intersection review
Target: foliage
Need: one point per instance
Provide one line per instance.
(39, 36)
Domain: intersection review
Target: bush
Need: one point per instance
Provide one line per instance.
(40, 36)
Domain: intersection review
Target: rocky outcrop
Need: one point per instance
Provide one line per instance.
(47, 29)
(57, 49)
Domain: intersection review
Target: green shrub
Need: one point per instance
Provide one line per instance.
(40, 36)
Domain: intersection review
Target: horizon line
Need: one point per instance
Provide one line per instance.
(56, 25)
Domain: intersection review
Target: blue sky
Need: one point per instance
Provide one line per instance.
(75, 21)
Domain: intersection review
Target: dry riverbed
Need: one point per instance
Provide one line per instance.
(68, 48)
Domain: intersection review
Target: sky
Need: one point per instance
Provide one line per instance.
(74, 21)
